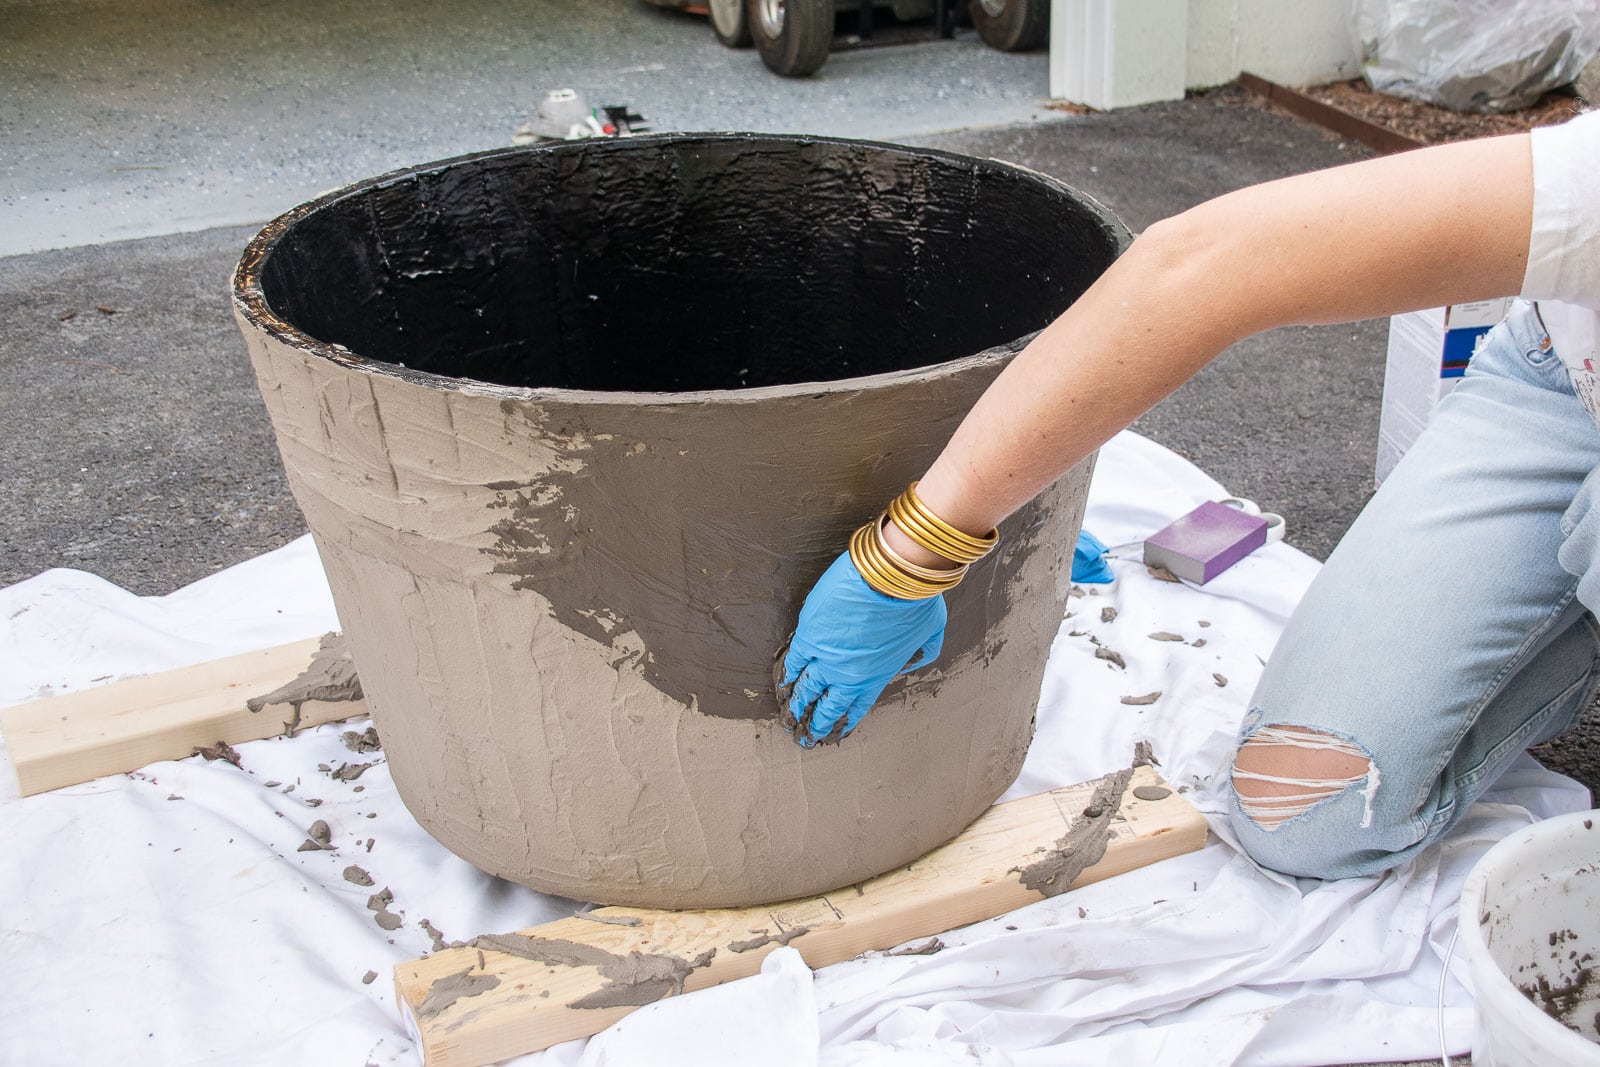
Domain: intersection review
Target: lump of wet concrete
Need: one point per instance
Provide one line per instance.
(318, 838)
(219, 751)
(378, 904)
(349, 772)
(357, 876)
(1140, 701)
(365, 741)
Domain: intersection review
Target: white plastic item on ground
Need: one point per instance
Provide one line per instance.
(1532, 945)
(1475, 55)
(169, 916)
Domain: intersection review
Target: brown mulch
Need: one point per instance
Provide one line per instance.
(1437, 125)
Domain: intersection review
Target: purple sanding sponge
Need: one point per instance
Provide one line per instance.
(1206, 542)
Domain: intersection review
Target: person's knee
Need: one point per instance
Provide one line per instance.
(1286, 775)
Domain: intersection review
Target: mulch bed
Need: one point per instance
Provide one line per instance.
(1438, 125)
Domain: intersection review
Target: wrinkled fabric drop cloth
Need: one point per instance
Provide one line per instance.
(167, 916)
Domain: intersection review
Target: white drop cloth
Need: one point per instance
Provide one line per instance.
(166, 917)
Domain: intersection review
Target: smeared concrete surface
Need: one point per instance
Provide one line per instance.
(631, 980)
(609, 920)
(1152, 792)
(1083, 845)
(331, 676)
(446, 991)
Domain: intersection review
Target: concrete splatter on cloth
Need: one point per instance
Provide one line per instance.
(208, 898)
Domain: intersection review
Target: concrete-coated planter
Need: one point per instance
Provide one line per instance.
(577, 427)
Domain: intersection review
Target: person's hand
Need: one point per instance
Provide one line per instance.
(851, 642)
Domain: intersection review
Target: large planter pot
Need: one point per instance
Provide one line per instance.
(576, 428)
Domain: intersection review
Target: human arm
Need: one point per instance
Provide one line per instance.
(1422, 229)
(1431, 227)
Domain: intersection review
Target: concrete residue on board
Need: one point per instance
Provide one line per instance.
(632, 980)
(331, 677)
(609, 920)
(764, 937)
(1084, 844)
(1151, 792)
(446, 991)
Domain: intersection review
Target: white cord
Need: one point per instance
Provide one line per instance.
(1444, 976)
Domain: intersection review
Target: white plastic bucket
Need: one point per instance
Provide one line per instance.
(1530, 933)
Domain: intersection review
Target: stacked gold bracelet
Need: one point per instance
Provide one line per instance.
(892, 574)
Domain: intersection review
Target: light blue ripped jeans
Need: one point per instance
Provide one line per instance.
(1447, 632)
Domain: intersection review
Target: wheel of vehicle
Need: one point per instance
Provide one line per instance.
(792, 35)
(729, 23)
(1011, 25)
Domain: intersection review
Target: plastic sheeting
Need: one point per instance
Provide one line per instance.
(1475, 55)
(168, 917)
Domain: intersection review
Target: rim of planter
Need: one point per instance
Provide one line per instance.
(251, 303)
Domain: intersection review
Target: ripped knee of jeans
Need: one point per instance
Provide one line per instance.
(1281, 772)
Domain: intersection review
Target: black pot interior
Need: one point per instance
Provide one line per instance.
(687, 263)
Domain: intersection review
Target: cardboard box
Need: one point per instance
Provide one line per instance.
(1428, 352)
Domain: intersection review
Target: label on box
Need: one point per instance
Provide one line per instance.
(1428, 353)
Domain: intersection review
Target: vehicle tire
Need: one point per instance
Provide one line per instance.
(729, 23)
(1011, 25)
(792, 36)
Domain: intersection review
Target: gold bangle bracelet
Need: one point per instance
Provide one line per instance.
(952, 575)
(911, 515)
(886, 578)
(882, 575)
(976, 546)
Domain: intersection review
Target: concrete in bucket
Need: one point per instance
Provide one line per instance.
(1530, 933)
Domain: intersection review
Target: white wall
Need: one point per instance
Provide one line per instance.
(1117, 53)
(1292, 42)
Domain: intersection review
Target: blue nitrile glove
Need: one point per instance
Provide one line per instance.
(851, 642)
(1089, 560)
